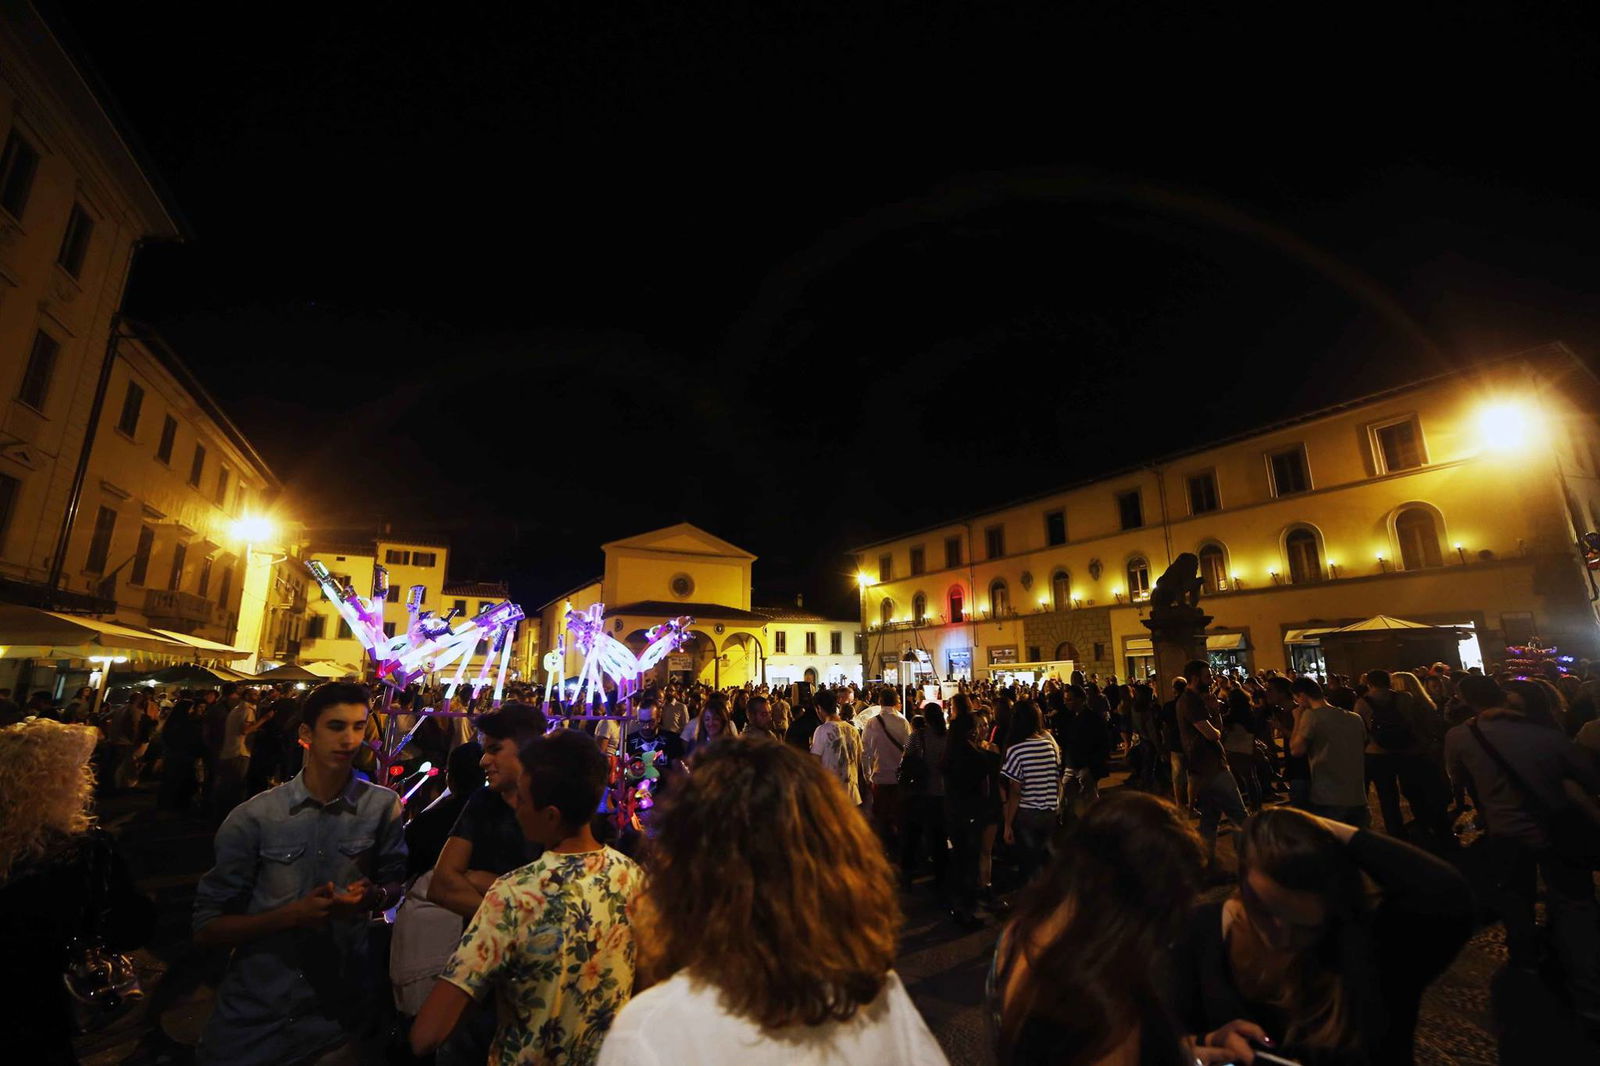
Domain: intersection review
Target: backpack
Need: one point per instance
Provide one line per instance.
(1390, 729)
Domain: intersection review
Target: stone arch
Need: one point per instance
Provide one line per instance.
(1066, 650)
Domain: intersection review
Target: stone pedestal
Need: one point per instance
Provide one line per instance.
(1177, 636)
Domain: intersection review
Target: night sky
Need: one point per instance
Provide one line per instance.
(543, 280)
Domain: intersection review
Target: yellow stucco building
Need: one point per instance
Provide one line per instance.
(683, 570)
(1456, 500)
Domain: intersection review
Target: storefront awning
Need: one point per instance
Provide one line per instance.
(1214, 642)
(1139, 646)
(212, 649)
(29, 633)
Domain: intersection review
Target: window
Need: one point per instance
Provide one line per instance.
(132, 400)
(75, 242)
(1289, 472)
(861, 643)
(1055, 528)
(811, 644)
(1130, 509)
(1418, 535)
(175, 580)
(316, 626)
(1399, 446)
(424, 558)
(197, 466)
(41, 368)
(484, 605)
(141, 556)
(1214, 568)
(885, 567)
(1061, 590)
(391, 557)
(958, 604)
(345, 632)
(999, 598)
(1033, 654)
(205, 576)
(1203, 493)
(223, 474)
(169, 434)
(460, 606)
(105, 523)
(9, 487)
(225, 586)
(835, 643)
(394, 594)
(886, 611)
(994, 542)
(952, 552)
(918, 561)
(780, 643)
(1138, 578)
(919, 608)
(388, 629)
(18, 164)
(1305, 558)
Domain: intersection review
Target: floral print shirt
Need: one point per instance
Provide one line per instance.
(552, 940)
(838, 745)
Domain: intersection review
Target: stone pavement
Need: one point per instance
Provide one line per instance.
(943, 965)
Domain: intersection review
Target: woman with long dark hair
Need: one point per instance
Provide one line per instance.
(763, 846)
(1078, 975)
(1326, 945)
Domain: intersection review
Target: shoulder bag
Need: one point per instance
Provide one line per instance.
(1573, 836)
(103, 983)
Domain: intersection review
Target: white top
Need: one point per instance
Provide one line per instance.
(684, 1022)
(883, 754)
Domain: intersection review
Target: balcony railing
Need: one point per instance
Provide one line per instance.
(183, 612)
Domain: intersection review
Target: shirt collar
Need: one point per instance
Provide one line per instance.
(299, 795)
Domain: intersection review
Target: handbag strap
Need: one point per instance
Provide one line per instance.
(901, 748)
(1529, 797)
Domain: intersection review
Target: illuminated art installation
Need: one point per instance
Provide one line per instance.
(428, 645)
(555, 663)
(605, 655)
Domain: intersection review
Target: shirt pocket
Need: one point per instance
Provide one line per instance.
(283, 874)
(355, 859)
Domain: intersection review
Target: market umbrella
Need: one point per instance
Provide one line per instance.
(290, 672)
(190, 674)
(330, 671)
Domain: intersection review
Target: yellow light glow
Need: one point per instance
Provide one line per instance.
(1458, 545)
(1508, 426)
(862, 579)
(253, 530)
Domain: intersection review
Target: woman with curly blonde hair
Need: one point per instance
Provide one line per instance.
(763, 846)
(53, 864)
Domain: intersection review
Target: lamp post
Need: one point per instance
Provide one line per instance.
(862, 581)
(105, 676)
(254, 585)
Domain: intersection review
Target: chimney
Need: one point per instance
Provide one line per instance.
(799, 600)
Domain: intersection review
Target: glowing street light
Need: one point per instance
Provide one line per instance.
(1507, 426)
(862, 579)
(253, 530)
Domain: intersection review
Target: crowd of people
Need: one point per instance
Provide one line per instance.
(526, 905)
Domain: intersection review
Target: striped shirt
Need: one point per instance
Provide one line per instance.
(1035, 764)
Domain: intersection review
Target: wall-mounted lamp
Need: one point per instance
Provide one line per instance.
(1383, 566)
(1461, 551)
(1274, 575)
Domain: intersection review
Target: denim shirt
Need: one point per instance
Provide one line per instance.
(296, 993)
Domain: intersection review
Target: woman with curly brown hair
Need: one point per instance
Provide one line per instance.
(761, 844)
(56, 868)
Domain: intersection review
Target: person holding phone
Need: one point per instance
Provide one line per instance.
(1323, 951)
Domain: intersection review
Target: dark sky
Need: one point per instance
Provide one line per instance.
(545, 279)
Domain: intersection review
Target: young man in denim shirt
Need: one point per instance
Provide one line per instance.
(299, 871)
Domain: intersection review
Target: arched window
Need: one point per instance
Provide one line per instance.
(886, 611)
(1061, 590)
(1418, 535)
(1066, 651)
(1214, 568)
(919, 608)
(1305, 557)
(1138, 578)
(999, 598)
(958, 605)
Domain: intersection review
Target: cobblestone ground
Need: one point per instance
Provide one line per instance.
(942, 965)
